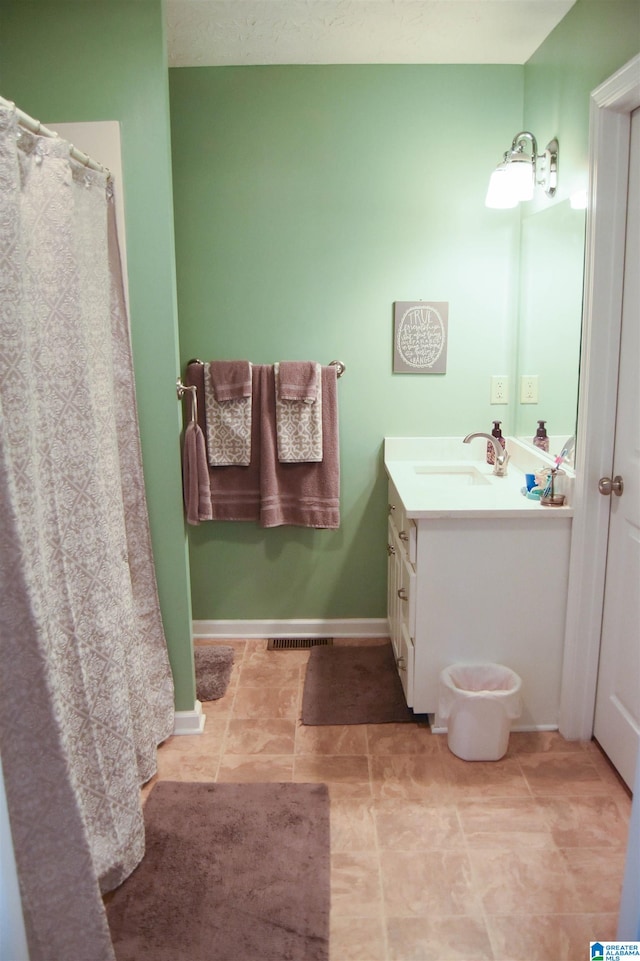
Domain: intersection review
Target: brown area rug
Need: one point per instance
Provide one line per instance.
(232, 872)
(353, 685)
(213, 665)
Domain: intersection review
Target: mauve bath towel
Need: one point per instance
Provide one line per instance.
(304, 494)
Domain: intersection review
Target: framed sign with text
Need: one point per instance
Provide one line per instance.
(420, 333)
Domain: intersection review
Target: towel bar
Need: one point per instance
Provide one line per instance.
(195, 360)
(181, 389)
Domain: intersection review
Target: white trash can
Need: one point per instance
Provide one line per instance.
(479, 701)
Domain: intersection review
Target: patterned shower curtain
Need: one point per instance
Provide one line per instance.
(86, 692)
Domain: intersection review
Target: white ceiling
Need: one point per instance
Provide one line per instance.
(226, 32)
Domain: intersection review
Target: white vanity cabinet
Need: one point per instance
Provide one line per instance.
(478, 586)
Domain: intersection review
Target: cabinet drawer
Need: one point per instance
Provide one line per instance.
(406, 529)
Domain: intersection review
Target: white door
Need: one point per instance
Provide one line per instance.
(617, 716)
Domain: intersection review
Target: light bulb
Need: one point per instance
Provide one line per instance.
(520, 174)
(578, 200)
(500, 194)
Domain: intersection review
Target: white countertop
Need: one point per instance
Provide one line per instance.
(494, 497)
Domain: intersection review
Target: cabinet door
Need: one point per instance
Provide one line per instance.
(405, 664)
(393, 585)
(405, 528)
(408, 536)
(407, 593)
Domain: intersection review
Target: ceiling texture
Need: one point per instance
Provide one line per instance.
(203, 33)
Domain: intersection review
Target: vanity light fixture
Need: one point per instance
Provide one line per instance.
(520, 171)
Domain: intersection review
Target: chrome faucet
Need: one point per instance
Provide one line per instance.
(502, 458)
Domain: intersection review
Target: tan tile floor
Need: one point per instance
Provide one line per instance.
(432, 858)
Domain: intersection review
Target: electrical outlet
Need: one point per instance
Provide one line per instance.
(529, 389)
(499, 389)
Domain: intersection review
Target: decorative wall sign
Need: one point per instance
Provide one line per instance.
(420, 333)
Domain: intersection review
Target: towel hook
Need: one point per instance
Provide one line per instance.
(181, 390)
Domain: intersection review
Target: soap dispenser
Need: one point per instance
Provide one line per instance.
(497, 433)
(541, 440)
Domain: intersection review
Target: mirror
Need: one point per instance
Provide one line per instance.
(550, 318)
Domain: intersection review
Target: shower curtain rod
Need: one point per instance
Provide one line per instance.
(29, 123)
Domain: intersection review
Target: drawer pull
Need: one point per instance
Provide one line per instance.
(390, 550)
(403, 536)
(402, 594)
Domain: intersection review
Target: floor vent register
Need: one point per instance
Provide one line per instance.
(297, 643)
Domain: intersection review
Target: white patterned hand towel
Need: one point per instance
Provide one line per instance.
(227, 394)
(298, 421)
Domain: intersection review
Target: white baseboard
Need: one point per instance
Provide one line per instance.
(189, 722)
(516, 729)
(328, 627)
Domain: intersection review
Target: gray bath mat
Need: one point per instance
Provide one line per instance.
(353, 685)
(213, 669)
(235, 872)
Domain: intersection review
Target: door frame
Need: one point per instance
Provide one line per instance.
(611, 106)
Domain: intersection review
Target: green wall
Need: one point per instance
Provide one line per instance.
(307, 200)
(594, 39)
(63, 62)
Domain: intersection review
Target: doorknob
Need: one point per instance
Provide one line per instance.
(607, 486)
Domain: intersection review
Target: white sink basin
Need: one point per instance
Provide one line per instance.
(449, 475)
(441, 477)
